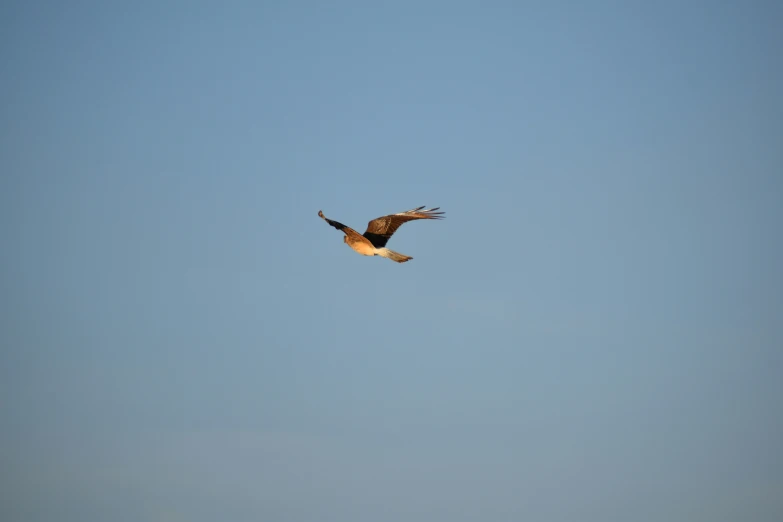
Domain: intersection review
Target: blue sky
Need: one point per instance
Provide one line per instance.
(593, 333)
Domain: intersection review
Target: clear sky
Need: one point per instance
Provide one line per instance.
(594, 332)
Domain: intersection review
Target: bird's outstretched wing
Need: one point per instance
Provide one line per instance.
(339, 226)
(379, 230)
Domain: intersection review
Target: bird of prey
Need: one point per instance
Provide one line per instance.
(379, 230)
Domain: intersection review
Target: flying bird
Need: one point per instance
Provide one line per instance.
(379, 230)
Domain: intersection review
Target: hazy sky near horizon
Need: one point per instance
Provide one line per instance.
(594, 332)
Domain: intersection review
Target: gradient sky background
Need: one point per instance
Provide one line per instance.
(595, 332)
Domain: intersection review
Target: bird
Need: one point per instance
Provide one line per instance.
(379, 230)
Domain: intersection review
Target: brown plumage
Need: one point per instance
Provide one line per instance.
(379, 230)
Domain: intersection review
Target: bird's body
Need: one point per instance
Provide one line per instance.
(360, 244)
(379, 230)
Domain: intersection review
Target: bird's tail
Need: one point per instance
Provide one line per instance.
(394, 256)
